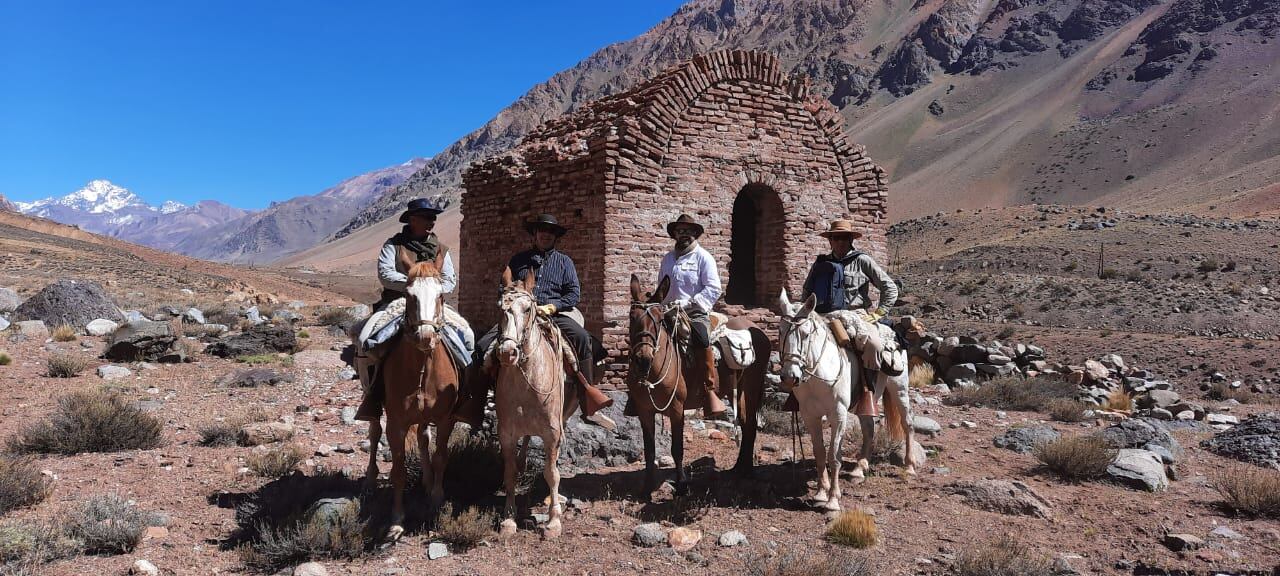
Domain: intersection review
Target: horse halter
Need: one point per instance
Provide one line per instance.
(414, 323)
(652, 340)
(509, 298)
(801, 355)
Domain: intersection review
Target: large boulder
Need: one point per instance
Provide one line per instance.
(74, 303)
(1158, 399)
(1255, 440)
(1138, 433)
(100, 327)
(143, 342)
(1014, 498)
(1025, 439)
(9, 300)
(260, 339)
(586, 446)
(1139, 469)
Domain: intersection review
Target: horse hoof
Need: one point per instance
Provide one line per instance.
(832, 505)
(911, 470)
(395, 532)
(552, 530)
(507, 528)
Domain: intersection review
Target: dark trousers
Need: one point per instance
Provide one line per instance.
(577, 336)
(700, 339)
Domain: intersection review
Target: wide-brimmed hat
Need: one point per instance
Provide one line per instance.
(428, 206)
(532, 225)
(684, 219)
(841, 228)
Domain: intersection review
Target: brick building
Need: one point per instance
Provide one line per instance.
(727, 137)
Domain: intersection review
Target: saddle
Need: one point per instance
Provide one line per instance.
(730, 339)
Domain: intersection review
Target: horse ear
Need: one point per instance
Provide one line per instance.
(661, 293)
(506, 277)
(809, 303)
(784, 302)
(637, 294)
(530, 279)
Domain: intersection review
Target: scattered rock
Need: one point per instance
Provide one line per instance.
(254, 316)
(1095, 371)
(1225, 532)
(143, 341)
(193, 315)
(347, 373)
(936, 108)
(73, 303)
(100, 327)
(963, 371)
(9, 300)
(1221, 419)
(1158, 399)
(286, 316)
(1180, 542)
(252, 378)
(1138, 432)
(733, 538)
(437, 550)
(349, 415)
(359, 311)
(261, 339)
(144, 568)
(1139, 469)
(1024, 439)
(649, 535)
(1255, 440)
(259, 433)
(310, 569)
(684, 539)
(110, 372)
(1015, 498)
(34, 329)
(898, 456)
(925, 425)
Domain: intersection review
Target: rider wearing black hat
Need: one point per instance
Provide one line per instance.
(414, 243)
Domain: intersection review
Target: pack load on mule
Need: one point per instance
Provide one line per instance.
(674, 366)
(373, 337)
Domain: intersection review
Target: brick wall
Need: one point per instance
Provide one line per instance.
(690, 140)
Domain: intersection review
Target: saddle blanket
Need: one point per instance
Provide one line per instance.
(382, 326)
(877, 343)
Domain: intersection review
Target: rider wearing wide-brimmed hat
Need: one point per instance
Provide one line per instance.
(695, 288)
(414, 243)
(860, 272)
(557, 293)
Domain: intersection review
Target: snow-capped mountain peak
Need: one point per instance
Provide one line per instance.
(97, 197)
(172, 206)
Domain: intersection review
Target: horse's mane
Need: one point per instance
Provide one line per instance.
(425, 269)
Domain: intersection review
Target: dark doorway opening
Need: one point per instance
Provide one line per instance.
(742, 252)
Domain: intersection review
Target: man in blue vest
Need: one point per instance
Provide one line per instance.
(858, 272)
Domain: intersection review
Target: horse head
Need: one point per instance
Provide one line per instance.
(798, 327)
(424, 306)
(518, 311)
(646, 325)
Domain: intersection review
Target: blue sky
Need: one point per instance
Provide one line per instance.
(249, 102)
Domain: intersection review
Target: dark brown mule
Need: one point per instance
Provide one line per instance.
(420, 381)
(657, 383)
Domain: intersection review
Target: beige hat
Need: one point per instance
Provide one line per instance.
(841, 228)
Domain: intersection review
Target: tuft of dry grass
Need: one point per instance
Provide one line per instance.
(90, 421)
(342, 534)
(1250, 490)
(809, 564)
(335, 317)
(1223, 391)
(65, 365)
(853, 528)
(275, 462)
(1076, 457)
(25, 546)
(465, 530)
(1014, 393)
(108, 524)
(1119, 401)
(63, 333)
(227, 431)
(1066, 410)
(921, 376)
(1004, 556)
(5, 359)
(21, 484)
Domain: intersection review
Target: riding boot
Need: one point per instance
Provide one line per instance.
(370, 404)
(713, 407)
(593, 400)
(470, 409)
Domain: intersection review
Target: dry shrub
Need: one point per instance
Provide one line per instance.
(810, 564)
(1223, 391)
(227, 431)
(201, 330)
(1076, 457)
(465, 530)
(853, 528)
(1066, 410)
(341, 534)
(221, 314)
(26, 545)
(335, 317)
(65, 365)
(779, 423)
(21, 484)
(275, 462)
(63, 333)
(1014, 393)
(1250, 490)
(1119, 401)
(921, 376)
(474, 468)
(1004, 556)
(5, 359)
(90, 421)
(108, 524)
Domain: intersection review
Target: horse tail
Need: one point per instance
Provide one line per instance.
(895, 415)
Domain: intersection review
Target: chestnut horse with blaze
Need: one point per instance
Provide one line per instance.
(421, 382)
(658, 383)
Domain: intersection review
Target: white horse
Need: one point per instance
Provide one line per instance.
(824, 377)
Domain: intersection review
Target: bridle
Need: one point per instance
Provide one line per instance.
(414, 323)
(522, 335)
(802, 354)
(652, 340)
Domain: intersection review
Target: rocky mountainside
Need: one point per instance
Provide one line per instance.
(295, 224)
(979, 102)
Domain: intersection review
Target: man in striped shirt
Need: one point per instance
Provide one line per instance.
(557, 292)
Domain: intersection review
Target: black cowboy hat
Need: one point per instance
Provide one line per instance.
(684, 219)
(548, 221)
(427, 206)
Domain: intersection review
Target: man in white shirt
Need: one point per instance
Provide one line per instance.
(695, 287)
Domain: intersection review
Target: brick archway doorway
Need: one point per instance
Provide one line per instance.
(757, 266)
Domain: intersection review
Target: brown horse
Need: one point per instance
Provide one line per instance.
(657, 384)
(421, 386)
(533, 395)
